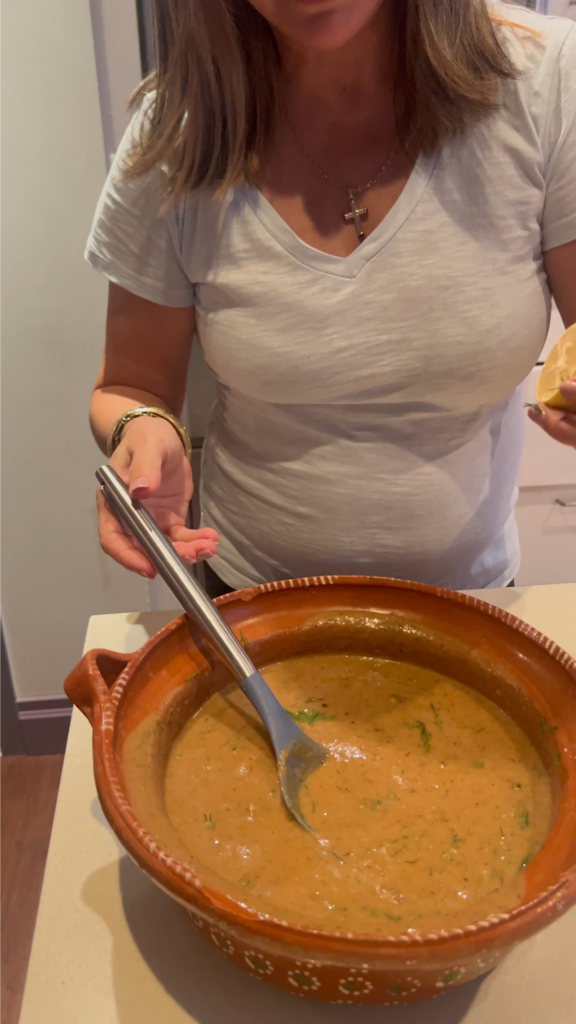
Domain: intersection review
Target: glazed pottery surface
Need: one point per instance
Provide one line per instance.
(527, 675)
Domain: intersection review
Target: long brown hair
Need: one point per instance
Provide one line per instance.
(215, 89)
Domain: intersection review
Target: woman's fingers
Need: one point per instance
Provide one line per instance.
(145, 473)
(568, 391)
(194, 545)
(557, 424)
(155, 470)
(118, 544)
(191, 545)
(182, 533)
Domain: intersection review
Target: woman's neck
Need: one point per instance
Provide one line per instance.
(345, 81)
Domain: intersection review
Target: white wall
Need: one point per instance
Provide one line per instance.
(115, 32)
(562, 8)
(54, 575)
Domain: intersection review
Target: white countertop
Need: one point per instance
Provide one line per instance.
(111, 948)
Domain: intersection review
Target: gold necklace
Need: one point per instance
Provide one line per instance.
(356, 213)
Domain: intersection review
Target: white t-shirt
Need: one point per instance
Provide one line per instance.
(368, 415)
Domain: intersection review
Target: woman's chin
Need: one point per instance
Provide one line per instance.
(321, 24)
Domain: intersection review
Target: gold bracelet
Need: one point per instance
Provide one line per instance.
(115, 434)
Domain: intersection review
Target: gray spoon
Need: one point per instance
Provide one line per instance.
(296, 754)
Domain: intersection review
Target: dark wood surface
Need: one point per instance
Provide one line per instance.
(29, 791)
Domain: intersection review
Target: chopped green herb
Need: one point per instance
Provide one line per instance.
(243, 640)
(307, 716)
(208, 820)
(517, 785)
(392, 917)
(524, 820)
(314, 700)
(437, 719)
(372, 911)
(379, 802)
(558, 757)
(425, 735)
(476, 731)
(477, 764)
(501, 832)
(337, 856)
(546, 727)
(534, 406)
(396, 990)
(412, 861)
(456, 840)
(524, 863)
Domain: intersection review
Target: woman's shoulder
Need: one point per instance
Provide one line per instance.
(537, 42)
(543, 49)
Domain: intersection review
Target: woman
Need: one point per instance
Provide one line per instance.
(361, 207)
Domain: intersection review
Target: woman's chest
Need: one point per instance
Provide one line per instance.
(437, 312)
(447, 297)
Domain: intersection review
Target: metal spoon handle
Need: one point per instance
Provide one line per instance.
(173, 571)
(295, 752)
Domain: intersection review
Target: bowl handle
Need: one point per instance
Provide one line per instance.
(88, 684)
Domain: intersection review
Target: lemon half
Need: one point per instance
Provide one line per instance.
(559, 367)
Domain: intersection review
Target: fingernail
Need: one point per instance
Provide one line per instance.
(139, 484)
(145, 575)
(204, 553)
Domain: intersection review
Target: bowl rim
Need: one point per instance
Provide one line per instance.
(182, 883)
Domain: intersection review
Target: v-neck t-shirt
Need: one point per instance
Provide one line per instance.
(368, 415)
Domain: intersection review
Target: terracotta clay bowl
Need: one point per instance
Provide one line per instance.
(526, 674)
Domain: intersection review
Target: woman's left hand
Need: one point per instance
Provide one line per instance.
(560, 425)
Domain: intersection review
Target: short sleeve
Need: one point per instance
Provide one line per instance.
(134, 239)
(559, 216)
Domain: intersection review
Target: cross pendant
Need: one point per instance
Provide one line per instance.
(356, 213)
